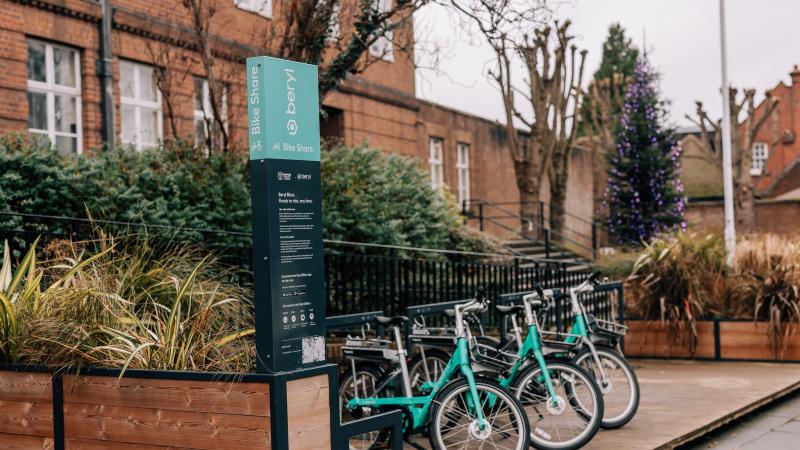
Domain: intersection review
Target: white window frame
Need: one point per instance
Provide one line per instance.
(383, 47)
(50, 89)
(206, 113)
(760, 155)
(436, 161)
(462, 173)
(260, 7)
(139, 104)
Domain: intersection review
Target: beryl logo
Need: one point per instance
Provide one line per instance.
(291, 109)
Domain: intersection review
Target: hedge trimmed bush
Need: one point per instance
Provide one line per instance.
(368, 196)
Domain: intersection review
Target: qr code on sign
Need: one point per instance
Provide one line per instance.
(313, 349)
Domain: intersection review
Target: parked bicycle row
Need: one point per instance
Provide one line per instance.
(467, 389)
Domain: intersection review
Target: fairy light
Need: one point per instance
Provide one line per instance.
(644, 194)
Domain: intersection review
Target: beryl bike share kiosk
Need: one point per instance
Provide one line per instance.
(283, 127)
(286, 197)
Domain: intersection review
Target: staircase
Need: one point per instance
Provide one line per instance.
(539, 242)
(535, 249)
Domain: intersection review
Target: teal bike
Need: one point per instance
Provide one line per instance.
(596, 344)
(460, 410)
(563, 403)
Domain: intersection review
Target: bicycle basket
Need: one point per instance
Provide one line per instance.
(493, 359)
(375, 350)
(556, 341)
(607, 327)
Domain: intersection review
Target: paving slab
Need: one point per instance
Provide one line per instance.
(682, 400)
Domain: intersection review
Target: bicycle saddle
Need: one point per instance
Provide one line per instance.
(394, 320)
(508, 309)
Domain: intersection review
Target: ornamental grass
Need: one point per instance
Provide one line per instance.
(124, 304)
(680, 279)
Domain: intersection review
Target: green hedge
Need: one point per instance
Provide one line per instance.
(368, 196)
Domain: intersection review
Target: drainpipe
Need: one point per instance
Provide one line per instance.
(105, 71)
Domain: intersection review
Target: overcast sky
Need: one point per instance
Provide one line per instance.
(682, 39)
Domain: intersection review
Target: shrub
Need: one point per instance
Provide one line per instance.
(126, 305)
(767, 284)
(674, 280)
(368, 196)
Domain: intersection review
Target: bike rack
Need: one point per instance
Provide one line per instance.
(430, 309)
(389, 419)
(560, 306)
(350, 320)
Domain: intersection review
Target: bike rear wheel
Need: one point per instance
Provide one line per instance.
(573, 419)
(366, 381)
(454, 422)
(621, 390)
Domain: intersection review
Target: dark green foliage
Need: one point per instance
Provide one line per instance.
(644, 195)
(619, 55)
(617, 67)
(373, 197)
(367, 196)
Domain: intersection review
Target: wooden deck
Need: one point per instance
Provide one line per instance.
(682, 400)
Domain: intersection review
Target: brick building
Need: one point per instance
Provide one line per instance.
(52, 73)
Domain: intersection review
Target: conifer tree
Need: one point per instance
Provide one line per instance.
(644, 195)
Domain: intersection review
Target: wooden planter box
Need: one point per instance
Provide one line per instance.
(150, 412)
(716, 339)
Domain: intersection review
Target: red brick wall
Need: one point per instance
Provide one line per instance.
(772, 216)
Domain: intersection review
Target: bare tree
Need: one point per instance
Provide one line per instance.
(337, 34)
(743, 135)
(201, 13)
(554, 83)
(168, 76)
(554, 71)
(602, 98)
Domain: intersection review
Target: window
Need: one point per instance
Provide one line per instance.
(382, 47)
(54, 96)
(462, 172)
(263, 7)
(140, 107)
(760, 156)
(203, 114)
(435, 159)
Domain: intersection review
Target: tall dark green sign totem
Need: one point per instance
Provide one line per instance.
(283, 123)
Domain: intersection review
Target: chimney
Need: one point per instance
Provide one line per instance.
(795, 74)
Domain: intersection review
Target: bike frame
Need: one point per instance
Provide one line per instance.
(419, 406)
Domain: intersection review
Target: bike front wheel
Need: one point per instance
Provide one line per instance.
(571, 419)
(620, 388)
(455, 423)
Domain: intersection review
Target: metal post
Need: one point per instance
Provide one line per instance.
(480, 215)
(594, 240)
(541, 218)
(727, 170)
(105, 71)
(546, 242)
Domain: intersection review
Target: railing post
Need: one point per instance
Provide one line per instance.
(480, 215)
(594, 240)
(546, 242)
(541, 218)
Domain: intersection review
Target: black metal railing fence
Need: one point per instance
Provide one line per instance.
(358, 276)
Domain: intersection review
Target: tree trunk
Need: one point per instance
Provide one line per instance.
(558, 197)
(745, 208)
(529, 186)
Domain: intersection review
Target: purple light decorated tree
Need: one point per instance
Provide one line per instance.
(644, 195)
